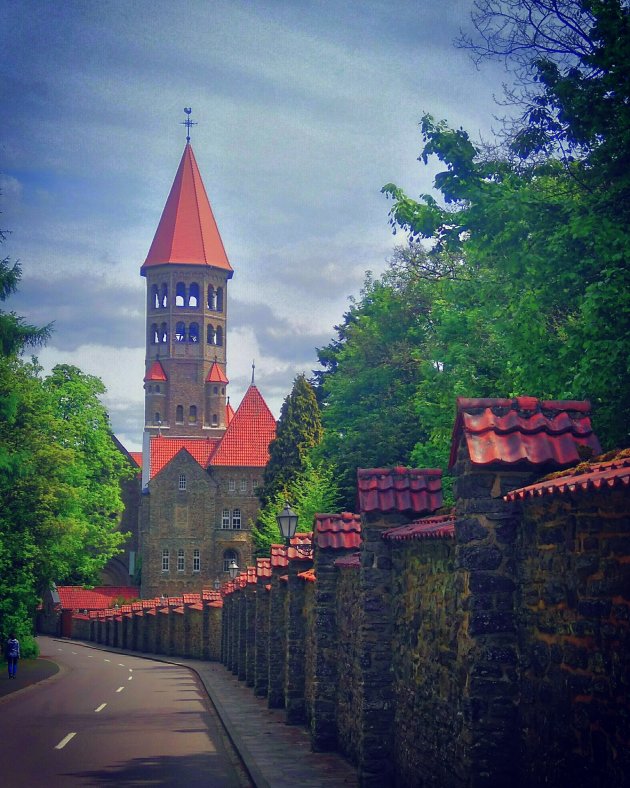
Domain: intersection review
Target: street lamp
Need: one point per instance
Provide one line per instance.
(287, 522)
(233, 569)
(217, 584)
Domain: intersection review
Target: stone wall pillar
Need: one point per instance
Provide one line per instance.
(295, 634)
(261, 665)
(241, 650)
(276, 656)
(250, 633)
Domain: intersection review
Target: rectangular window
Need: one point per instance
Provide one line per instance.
(231, 485)
(180, 560)
(255, 484)
(196, 561)
(236, 518)
(225, 519)
(165, 560)
(244, 485)
(182, 481)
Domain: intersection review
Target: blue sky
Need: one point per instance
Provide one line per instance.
(305, 110)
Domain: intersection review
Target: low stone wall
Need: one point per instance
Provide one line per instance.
(349, 672)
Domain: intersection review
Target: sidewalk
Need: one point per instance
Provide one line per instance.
(29, 672)
(275, 754)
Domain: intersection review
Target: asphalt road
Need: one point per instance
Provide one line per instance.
(107, 718)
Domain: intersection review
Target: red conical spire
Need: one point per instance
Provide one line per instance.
(187, 232)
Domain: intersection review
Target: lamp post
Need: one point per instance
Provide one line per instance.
(233, 569)
(217, 584)
(287, 522)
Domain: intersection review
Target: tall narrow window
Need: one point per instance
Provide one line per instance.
(180, 332)
(210, 334)
(181, 484)
(156, 418)
(225, 518)
(193, 332)
(164, 295)
(212, 297)
(228, 557)
(236, 518)
(244, 485)
(219, 306)
(181, 561)
(219, 336)
(215, 420)
(179, 414)
(155, 337)
(163, 332)
(155, 297)
(180, 294)
(231, 485)
(165, 560)
(193, 295)
(196, 561)
(192, 414)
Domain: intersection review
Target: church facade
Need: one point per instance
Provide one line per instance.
(201, 461)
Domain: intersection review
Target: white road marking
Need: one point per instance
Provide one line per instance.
(120, 689)
(131, 670)
(106, 660)
(101, 707)
(65, 739)
(130, 677)
(121, 664)
(59, 649)
(73, 652)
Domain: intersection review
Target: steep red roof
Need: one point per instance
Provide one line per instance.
(399, 490)
(187, 232)
(523, 430)
(156, 372)
(163, 449)
(136, 456)
(595, 476)
(338, 531)
(247, 438)
(229, 412)
(442, 527)
(216, 374)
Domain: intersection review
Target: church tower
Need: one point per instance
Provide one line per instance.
(187, 271)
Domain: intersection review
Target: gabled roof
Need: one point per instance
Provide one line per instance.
(99, 598)
(187, 232)
(229, 412)
(587, 477)
(523, 430)
(405, 490)
(441, 527)
(156, 372)
(338, 531)
(248, 435)
(164, 449)
(216, 374)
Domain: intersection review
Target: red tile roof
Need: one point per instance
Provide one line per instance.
(338, 531)
(308, 576)
(156, 372)
(588, 477)
(114, 592)
(249, 433)
(278, 555)
(136, 456)
(187, 232)
(216, 374)
(349, 561)
(281, 557)
(191, 599)
(99, 598)
(263, 567)
(399, 490)
(523, 430)
(251, 574)
(163, 449)
(210, 595)
(229, 412)
(442, 527)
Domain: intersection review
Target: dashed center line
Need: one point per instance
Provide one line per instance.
(73, 652)
(131, 670)
(120, 689)
(106, 660)
(65, 739)
(100, 708)
(130, 677)
(121, 664)
(90, 656)
(59, 649)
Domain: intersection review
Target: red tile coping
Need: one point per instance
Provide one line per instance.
(523, 430)
(251, 574)
(308, 576)
(338, 531)
(349, 561)
(284, 578)
(280, 555)
(191, 599)
(409, 490)
(187, 232)
(584, 478)
(442, 527)
(175, 601)
(196, 606)
(210, 595)
(263, 567)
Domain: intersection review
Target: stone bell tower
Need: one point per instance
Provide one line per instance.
(187, 271)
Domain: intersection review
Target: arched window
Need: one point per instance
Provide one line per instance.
(215, 420)
(192, 414)
(149, 388)
(219, 306)
(212, 297)
(179, 414)
(215, 389)
(157, 389)
(236, 518)
(155, 337)
(164, 295)
(180, 294)
(155, 297)
(180, 332)
(228, 557)
(163, 332)
(193, 295)
(193, 332)
(156, 418)
(219, 336)
(210, 334)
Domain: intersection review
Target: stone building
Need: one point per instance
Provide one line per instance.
(201, 460)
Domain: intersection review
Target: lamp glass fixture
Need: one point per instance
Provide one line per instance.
(233, 569)
(287, 522)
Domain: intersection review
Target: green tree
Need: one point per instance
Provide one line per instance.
(299, 429)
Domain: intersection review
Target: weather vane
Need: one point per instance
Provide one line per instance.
(188, 122)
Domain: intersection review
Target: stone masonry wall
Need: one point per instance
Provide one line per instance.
(348, 665)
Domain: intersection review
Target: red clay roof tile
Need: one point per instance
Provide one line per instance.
(98, 598)
(338, 531)
(281, 555)
(136, 456)
(349, 561)
(407, 490)
(523, 430)
(442, 527)
(308, 576)
(247, 438)
(597, 476)
(163, 449)
(210, 595)
(216, 374)
(187, 232)
(229, 412)
(263, 567)
(156, 372)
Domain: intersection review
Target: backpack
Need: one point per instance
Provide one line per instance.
(13, 648)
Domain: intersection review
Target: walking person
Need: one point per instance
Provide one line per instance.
(12, 652)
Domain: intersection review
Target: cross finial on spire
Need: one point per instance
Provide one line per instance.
(188, 122)
(253, 371)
